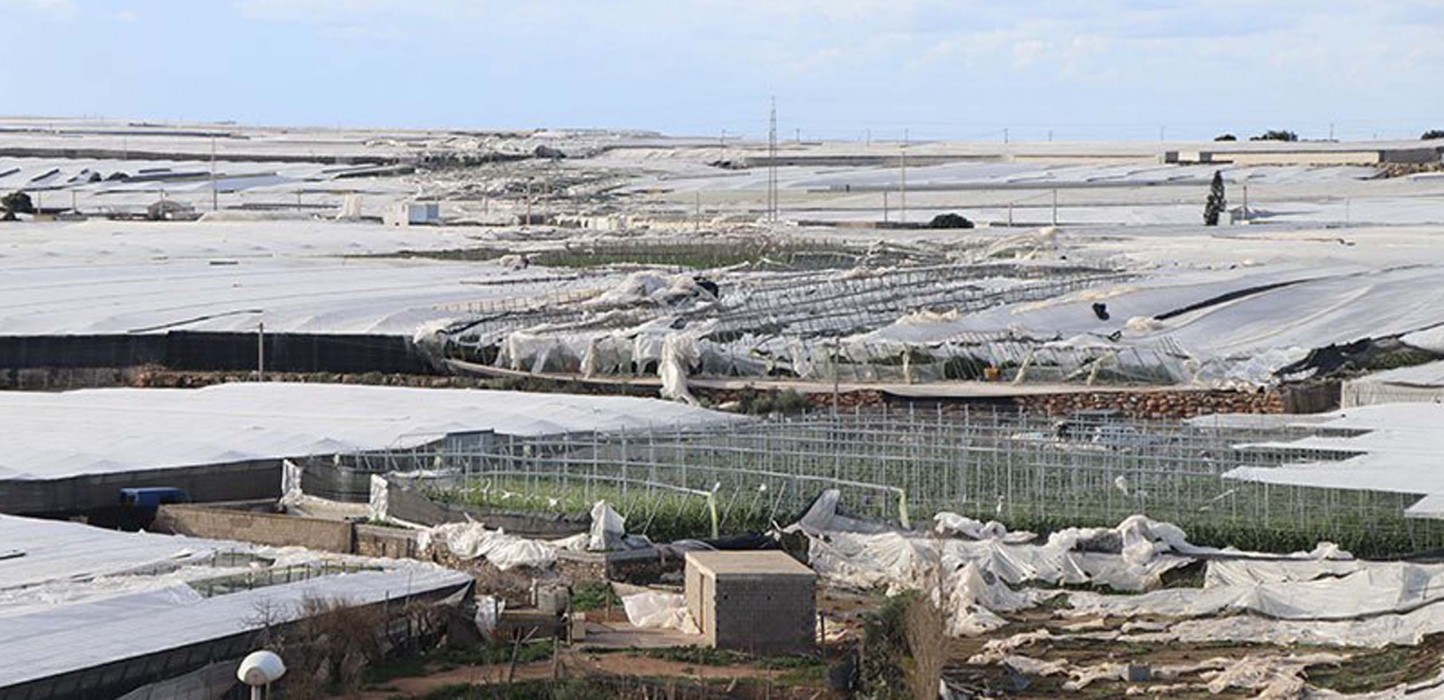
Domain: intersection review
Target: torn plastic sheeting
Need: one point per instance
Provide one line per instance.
(657, 610)
(897, 561)
(473, 541)
(1035, 667)
(378, 501)
(1234, 572)
(954, 524)
(822, 516)
(649, 288)
(889, 560)
(488, 614)
(607, 529)
(975, 595)
(290, 482)
(679, 353)
(1142, 539)
(1407, 629)
(1273, 677)
(995, 650)
(1376, 588)
(1018, 564)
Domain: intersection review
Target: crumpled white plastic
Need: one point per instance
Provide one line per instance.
(658, 610)
(471, 540)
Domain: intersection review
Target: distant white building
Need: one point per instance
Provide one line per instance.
(412, 213)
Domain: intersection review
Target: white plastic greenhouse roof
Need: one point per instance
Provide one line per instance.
(78, 596)
(1430, 374)
(113, 277)
(1399, 453)
(115, 430)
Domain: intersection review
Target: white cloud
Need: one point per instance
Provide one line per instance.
(1027, 52)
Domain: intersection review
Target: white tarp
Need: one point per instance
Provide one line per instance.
(472, 540)
(952, 524)
(607, 530)
(679, 353)
(658, 610)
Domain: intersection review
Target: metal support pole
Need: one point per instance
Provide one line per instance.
(903, 201)
(215, 193)
(261, 351)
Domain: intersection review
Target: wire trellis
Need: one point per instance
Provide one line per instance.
(904, 466)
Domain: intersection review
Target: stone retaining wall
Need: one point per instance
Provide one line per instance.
(1156, 405)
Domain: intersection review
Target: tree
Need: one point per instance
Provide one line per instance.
(1432, 134)
(1216, 203)
(1275, 135)
(16, 203)
(1225, 137)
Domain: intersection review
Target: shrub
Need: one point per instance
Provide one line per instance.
(1275, 135)
(950, 221)
(1225, 137)
(1432, 134)
(16, 203)
(884, 644)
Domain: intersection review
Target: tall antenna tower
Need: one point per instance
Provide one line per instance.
(772, 164)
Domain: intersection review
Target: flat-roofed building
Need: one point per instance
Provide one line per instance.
(759, 602)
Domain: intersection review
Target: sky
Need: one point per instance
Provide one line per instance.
(956, 69)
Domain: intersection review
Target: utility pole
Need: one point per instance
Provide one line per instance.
(698, 211)
(772, 163)
(528, 203)
(1005, 135)
(1331, 131)
(884, 206)
(1055, 207)
(797, 135)
(868, 139)
(1160, 133)
(215, 193)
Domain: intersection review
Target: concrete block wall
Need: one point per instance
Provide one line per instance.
(756, 607)
(385, 542)
(764, 614)
(261, 528)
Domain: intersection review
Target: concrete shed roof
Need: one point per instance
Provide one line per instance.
(748, 563)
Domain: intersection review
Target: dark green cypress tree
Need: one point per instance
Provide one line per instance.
(1216, 201)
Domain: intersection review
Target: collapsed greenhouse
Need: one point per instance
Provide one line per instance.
(1039, 306)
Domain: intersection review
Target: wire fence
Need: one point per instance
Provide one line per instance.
(905, 466)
